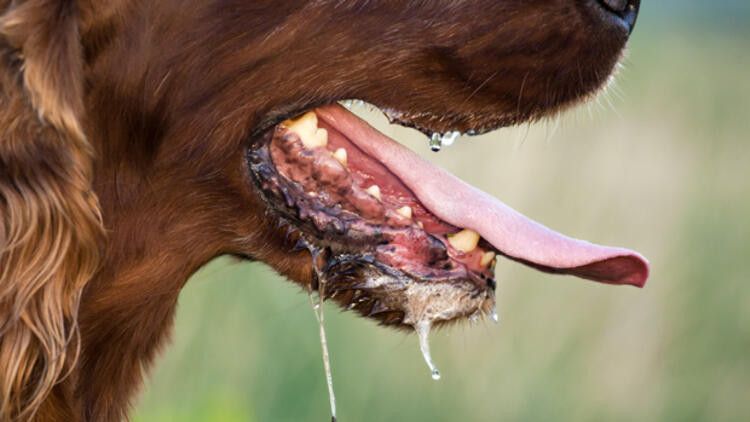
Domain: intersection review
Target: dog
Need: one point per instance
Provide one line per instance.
(140, 140)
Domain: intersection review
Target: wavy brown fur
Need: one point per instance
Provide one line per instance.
(152, 105)
(50, 221)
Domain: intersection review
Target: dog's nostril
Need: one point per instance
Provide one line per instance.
(627, 10)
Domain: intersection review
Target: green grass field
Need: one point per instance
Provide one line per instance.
(660, 163)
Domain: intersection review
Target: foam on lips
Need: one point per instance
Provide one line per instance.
(462, 205)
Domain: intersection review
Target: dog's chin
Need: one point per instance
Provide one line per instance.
(396, 238)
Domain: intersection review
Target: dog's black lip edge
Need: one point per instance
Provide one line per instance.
(275, 117)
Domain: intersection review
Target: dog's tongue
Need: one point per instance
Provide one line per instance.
(462, 205)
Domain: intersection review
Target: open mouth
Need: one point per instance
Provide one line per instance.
(398, 239)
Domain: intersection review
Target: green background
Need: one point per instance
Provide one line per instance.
(659, 163)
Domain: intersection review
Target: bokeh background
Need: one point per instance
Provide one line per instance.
(660, 163)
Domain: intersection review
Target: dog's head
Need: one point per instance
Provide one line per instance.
(245, 103)
(204, 122)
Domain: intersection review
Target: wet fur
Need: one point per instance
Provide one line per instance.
(141, 113)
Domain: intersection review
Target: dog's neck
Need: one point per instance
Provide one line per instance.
(127, 310)
(125, 316)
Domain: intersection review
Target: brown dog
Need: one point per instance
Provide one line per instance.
(139, 140)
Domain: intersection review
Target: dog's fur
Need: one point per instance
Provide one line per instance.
(123, 127)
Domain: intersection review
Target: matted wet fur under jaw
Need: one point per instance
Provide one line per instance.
(50, 227)
(361, 284)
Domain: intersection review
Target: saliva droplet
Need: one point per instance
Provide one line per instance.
(494, 316)
(423, 331)
(436, 142)
(448, 138)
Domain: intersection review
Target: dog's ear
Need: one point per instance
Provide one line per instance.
(50, 227)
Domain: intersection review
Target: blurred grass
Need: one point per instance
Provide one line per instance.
(665, 170)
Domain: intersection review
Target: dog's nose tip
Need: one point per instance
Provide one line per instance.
(627, 10)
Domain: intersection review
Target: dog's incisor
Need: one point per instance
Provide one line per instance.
(139, 140)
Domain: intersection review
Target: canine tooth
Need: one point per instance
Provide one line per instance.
(374, 190)
(340, 154)
(487, 258)
(465, 241)
(318, 140)
(305, 124)
(405, 211)
(306, 127)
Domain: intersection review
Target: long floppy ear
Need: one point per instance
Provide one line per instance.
(50, 227)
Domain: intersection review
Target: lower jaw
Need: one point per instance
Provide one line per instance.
(381, 265)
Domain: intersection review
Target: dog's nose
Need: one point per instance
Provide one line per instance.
(627, 10)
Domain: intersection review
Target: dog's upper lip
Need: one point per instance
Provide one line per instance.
(462, 205)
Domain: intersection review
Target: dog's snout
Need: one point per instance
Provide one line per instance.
(626, 10)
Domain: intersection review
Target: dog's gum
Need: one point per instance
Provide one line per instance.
(337, 189)
(366, 205)
(329, 171)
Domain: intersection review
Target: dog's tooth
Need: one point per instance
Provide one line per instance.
(320, 139)
(465, 241)
(341, 155)
(374, 191)
(405, 211)
(487, 259)
(306, 127)
(305, 124)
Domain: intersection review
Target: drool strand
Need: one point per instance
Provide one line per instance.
(423, 331)
(317, 306)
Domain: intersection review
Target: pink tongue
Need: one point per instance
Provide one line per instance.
(462, 205)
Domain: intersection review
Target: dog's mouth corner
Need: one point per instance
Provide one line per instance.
(398, 239)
